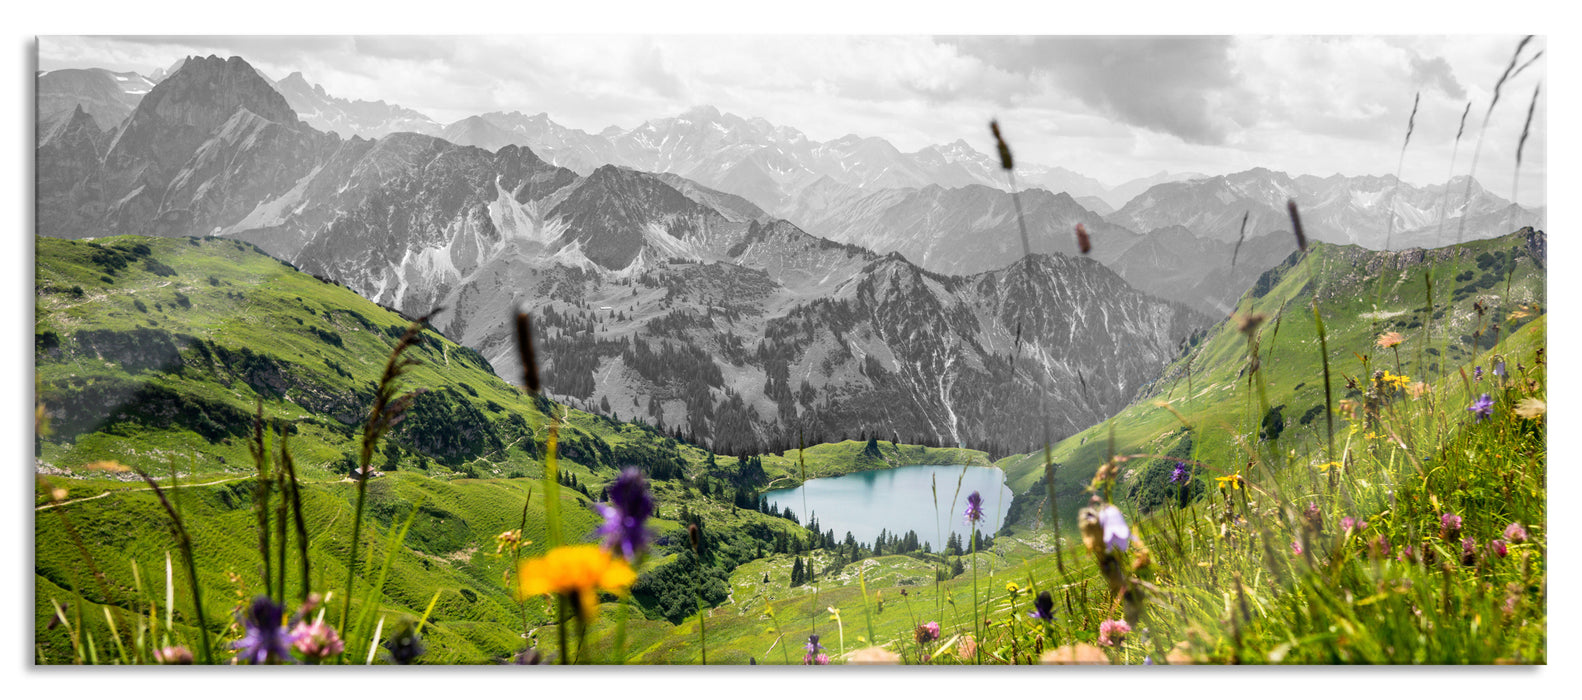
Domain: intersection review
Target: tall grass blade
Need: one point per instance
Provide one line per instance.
(185, 543)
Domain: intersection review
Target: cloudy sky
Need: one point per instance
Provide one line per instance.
(1112, 108)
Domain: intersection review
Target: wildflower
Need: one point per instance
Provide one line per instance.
(1043, 606)
(1325, 467)
(1314, 517)
(1116, 534)
(1389, 340)
(1516, 533)
(1379, 548)
(509, 538)
(926, 632)
(1449, 526)
(1392, 381)
(576, 571)
(1181, 474)
(1350, 524)
(405, 645)
(1477, 373)
(1075, 654)
(1499, 368)
(174, 656)
(1531, 408)
(1012, 588)
(1296, 547)
(1498, 548)
(875, 656)
(967, 647)
(625, 516)
(1234, 481)
(815, 655)
(1469, 551)
(1482, 408)
(974, 511)
(264, 639)
(316, 641)
(1113, 632)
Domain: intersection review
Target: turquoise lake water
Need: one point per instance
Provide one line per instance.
(898, 500)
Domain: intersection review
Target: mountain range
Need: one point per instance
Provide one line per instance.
(654, 295)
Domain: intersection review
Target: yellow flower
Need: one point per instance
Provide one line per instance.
(1234, 480)
(1011, 587)
(1389, 340)
(1330, 465)
(1393, 381)
(577, 571)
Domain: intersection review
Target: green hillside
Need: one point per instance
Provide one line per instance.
(156, 352)
(1209, 386)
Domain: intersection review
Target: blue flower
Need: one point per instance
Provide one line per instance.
(1117, 536)
(1181, 474)
(625, 515)
(1482, 408)
(1499, 368)
(264, 637)
(974, 511)
(1477, 373)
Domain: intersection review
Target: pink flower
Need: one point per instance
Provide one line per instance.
(316, 641)
(1498, 547)
(1515, 533)
(1112, 632)
(1296, 547)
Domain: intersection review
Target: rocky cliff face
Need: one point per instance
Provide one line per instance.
(199, 152)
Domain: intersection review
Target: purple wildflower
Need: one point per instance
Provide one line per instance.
(814, 656)
(1482, 408)
(974, 511)
(264, 639)
(1449, 526)
(406, 645)
(1044, 606)
(1515, 533)
(1348, 523)
(1469, 549)
(625, 515)
(1477, 373)
(1112, 632)
(1181, 474)
(1499, 368)
(926, 632)
(1117, 536)
(1498, 548)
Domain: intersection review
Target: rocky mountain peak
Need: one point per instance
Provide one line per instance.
(205, 92)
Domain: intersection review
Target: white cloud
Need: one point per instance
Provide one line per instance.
(1113, 108)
